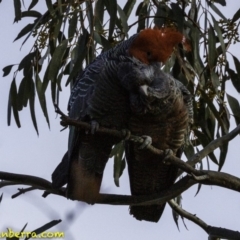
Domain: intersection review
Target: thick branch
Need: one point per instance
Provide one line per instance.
(29, 180)
(209, 178)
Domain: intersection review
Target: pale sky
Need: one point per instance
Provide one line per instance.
(23, 152)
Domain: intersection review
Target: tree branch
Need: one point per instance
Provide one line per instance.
(213, 232)
(211, 178)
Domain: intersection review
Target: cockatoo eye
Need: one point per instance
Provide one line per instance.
(149, 54)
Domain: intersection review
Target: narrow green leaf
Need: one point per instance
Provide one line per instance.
(54, 91)
(217, 11)
(14, 101)
(178, 15)
(49, 6)
(189, 151)
(36, 22)
(45, 80)
(129, 7)
(98, 14)
(205, 141)
(57, 27)
(44, 227)
(175, 218)
(105, 43)
(235, 78)
(26, 60)
(56, 60)
(41, 97)
(142, 12)
(210, 122)
(161, 15)
(123, 20)
(235, 107)
(111, 6)
(24, 31)
(236, 16)
(237, 64)
(32, 106)
(24, 93)
(32, 4)
(219, 35)
(223, 154)
(212, 54)
(7, 70)
(9, 108)
(119, 164)
(222, 2)
(80, 51)
(17, 8)
(32, 13)
(199, 185)
(72, 25)
(215, 81)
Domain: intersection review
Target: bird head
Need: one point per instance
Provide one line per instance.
(156, 45)
(150, 89)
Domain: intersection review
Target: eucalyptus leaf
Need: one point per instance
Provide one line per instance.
(219, 35)
(32, 4)
(14, 102)
(44, 228)
(17, 8)
(237, 65)
(32, 106)
(236, 16)
(223, 155)
(235, 107)
(212, 54)
(32, 13)
(123, 19)
(128, 8)
(26, 61)
(98, 14)
(217, 11)
(41, 97)
(23, 93)
(81, 53)
(111, 6)
(72, 25)
(56, 61)
(28, 28)
(7, 70)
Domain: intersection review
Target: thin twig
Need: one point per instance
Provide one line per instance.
(214, 145)
(212, 231)
(29, 180)
(188, 215)
(22, 191)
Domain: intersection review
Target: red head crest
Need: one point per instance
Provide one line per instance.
(156, 45)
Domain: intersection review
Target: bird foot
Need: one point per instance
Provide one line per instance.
(94, 127)
(168, 152)
(126, 134)
(147, 142)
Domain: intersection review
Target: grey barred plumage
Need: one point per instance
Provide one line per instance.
(120, 91)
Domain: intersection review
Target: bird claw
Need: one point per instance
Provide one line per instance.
(147, 142)
(94, 126)
(126, 133)
(168, 152)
